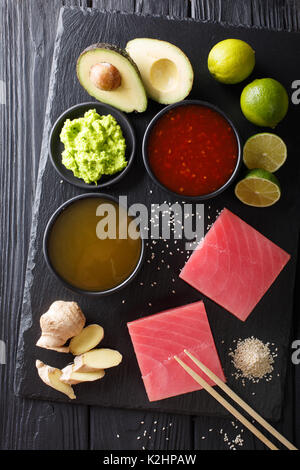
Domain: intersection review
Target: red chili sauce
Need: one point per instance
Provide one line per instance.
(192, 150)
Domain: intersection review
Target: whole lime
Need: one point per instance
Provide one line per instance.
(264, 102)
(231, 61)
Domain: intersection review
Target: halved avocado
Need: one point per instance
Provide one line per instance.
(111, 76)
(166, 71)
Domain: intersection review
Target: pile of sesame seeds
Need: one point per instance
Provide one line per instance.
(253, 359)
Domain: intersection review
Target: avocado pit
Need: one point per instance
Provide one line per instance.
(105, 76)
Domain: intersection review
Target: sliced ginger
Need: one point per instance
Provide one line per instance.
(51, 376)
(96, 359)
(87, 339)
(63, 321)
(72, 378)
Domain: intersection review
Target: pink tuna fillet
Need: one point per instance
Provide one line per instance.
(234, 265)
(157, 338)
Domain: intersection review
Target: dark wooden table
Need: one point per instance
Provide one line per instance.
(27, 32)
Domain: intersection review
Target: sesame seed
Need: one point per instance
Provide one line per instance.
(252, 359)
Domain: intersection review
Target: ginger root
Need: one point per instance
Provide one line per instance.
(52, 377)
(87, 339)
(96, 359)
(72, 378)
(61, 322)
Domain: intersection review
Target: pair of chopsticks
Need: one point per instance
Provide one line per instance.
(237, 400)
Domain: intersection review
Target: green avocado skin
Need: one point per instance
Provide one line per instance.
(94, 146)
(141, 104)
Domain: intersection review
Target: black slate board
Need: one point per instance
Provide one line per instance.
(271, 319)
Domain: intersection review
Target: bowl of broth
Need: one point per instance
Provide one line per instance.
(92, 245)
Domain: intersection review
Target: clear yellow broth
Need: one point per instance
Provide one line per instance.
(84, 260)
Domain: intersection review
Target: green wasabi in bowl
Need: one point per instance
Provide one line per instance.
(94, 146)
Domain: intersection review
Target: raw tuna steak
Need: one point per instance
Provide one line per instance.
(157, 338)
(234, 265)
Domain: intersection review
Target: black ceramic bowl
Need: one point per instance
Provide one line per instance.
(146, 159)
(48, 229)
(56, 147)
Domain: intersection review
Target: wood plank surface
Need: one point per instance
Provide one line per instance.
(176, 9)
(132, 430)
(29, 27)
(27, 33)
(275, 14)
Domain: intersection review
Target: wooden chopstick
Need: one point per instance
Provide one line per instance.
(241, 402)
(226, 404)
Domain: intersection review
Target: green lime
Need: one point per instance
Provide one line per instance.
(259, 188)
(231, 61)
(265, 150)
(264, 102)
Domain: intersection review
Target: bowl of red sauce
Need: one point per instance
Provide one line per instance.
(192, 149)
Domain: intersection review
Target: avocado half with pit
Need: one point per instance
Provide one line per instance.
(108, 74)
(165, 69)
